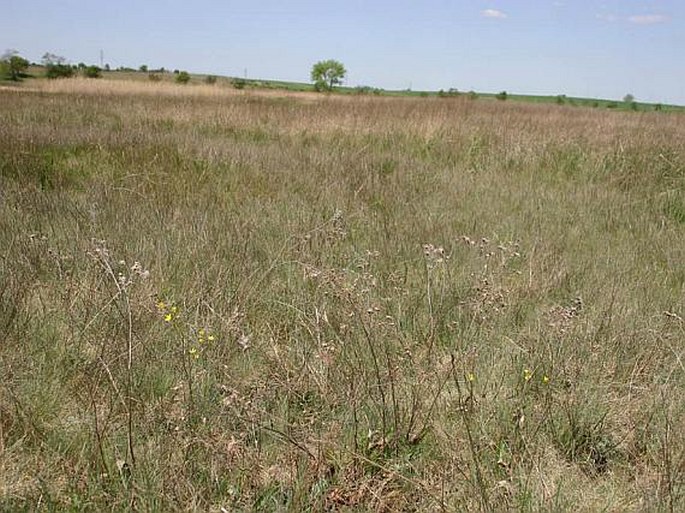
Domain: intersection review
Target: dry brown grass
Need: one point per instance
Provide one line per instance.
(415, 304)
(106, 87)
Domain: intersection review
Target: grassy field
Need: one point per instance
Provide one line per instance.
(38, 72)
(213, 298)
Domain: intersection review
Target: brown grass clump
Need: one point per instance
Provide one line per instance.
(216, 300)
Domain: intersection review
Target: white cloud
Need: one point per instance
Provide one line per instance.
(648, 19)
(493, 13)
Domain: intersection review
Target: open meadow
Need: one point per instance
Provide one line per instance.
(212, 298)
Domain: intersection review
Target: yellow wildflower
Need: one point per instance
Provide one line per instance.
(527, 374)
(545, 379)
(210, 338)
(193, 352)
(161, 306)
(168, 317)
(471, 377)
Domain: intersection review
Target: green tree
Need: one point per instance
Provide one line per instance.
(326, 74)
(12, 65)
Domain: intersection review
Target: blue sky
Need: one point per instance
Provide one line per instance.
(575, 47)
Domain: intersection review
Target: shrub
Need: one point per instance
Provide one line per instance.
(630, 102)
(239, 83)
(58, 71)
(183, 77)
(210, 79)
(472, 95)
(452, 92)
(153, 77)
(92, 72)
(502, 95)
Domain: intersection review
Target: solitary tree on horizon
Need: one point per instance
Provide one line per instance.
(326, 74)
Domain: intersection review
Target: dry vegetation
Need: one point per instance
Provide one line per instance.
(223, 300)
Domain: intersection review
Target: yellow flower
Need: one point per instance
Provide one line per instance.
(193, 352)
(161, 306)
(545, 379)
(527, 374)
(210, 338)
(201, 332)
(173, 309)
(471, 377)
(168, 317)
